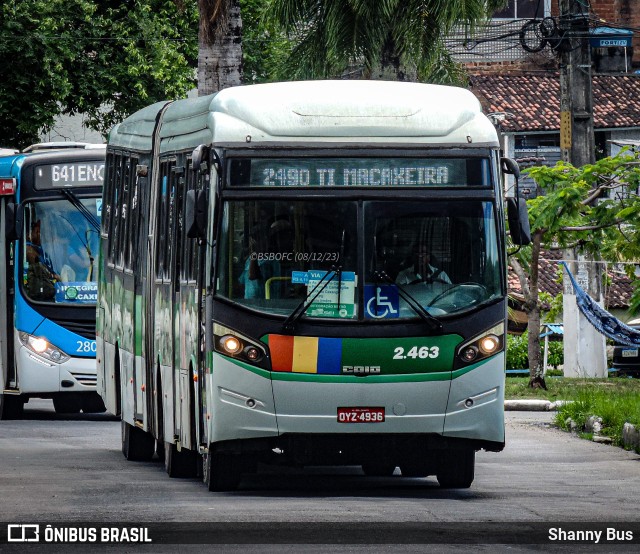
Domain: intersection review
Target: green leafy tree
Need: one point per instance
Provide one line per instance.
(385, 39)
(592, 209)
(102, 58)
(264, 47)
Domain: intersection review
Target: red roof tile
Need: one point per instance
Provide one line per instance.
(617, 294)
(534, 100)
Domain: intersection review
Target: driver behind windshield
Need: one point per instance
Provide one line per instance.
(421, 270)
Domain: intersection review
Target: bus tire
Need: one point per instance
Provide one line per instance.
(137, 445)
(414, 469)
(221, 471)
(183, 463)
(378, 469)
(92, 403)
(67, 403)
(456, 468)
(11, 406)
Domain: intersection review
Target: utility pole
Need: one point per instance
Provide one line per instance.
(584, 347)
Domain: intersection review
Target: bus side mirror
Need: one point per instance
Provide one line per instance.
(196, 214)
(510, 167)
(200, 159)
(518, 218)
(14, 219)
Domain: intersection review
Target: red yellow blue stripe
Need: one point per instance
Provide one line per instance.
(319, 355)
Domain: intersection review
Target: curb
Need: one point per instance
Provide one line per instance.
(533, 405)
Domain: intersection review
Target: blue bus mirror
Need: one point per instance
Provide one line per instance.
(14, 218)
(518, 218)
(195, 215)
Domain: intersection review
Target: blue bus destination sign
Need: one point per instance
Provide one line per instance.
(72, 174)
(359, 172)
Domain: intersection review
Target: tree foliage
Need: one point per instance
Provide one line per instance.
(594, 209)
(392, 39)
(103, 58)
(265, 48)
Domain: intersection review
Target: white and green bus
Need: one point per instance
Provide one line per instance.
(307, 273)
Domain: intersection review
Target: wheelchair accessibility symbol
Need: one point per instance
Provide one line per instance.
(381, 301)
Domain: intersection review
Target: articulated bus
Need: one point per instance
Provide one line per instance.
(50, 208)
(308, 273)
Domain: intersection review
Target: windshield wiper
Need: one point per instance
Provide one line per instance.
(92, 219)
(289, 323)
(300, 309)
(434, 323)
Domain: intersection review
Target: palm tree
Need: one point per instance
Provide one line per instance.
(381, 39)
(220, 45)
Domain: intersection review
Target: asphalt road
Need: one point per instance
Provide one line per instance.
(70, 469)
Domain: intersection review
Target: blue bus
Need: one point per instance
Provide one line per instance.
(50, 211)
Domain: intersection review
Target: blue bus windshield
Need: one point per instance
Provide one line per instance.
(59, 252)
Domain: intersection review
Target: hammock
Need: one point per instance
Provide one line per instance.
(602, 320)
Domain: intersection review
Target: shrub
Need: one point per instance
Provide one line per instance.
(518, 356)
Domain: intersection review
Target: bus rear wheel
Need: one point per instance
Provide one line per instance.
(221, 471)
(183, 463)
(456, 468)
(137, 445)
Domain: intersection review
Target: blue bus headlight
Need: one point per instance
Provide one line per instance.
(42, 348)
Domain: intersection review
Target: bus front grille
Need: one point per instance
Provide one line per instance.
(85, 379)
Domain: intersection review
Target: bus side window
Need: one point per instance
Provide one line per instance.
(162, 211)
(116, 204)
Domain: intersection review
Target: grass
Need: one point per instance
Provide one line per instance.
(559, 388)
(615, 400)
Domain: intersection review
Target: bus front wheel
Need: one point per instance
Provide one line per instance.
(456, 468)
(221, 471)
(67, 403)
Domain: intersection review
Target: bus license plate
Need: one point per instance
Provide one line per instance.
(632, 353)
(360, 415)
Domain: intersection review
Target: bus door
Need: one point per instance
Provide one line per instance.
(7, 367)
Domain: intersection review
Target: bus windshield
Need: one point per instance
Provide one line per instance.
(391, 259)
(59, 251)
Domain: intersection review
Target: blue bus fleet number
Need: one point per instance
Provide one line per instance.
(86, 346)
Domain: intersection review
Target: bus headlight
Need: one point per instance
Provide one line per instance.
(42, 348)
(233, 344)
(480, 347)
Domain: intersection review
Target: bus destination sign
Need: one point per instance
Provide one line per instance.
(358, 172)
(72, 174)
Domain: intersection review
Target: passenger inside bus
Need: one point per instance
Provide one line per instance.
(267, 269)
(258, 267)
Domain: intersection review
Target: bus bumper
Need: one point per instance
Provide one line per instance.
(475, 409)
(40, 376)
(247, 405)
